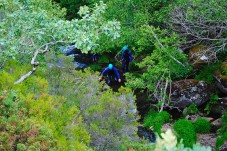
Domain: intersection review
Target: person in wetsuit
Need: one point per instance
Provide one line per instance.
(112, 74)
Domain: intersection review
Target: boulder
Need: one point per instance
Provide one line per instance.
(187, 92)
(216, 124)
(199, 55)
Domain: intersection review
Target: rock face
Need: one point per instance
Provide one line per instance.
(80, 59)
(189, 91)
(70, 50)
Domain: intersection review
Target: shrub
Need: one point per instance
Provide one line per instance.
(206, 72)
(185, 131)
(95, 67)
(18, 130)
(103, 59)
(213, 100)
(222, 132)
(192, 109)
(168, 142)
(31, 116)
(202, 125)
(135, 146)
(156, 120)
(133, 66)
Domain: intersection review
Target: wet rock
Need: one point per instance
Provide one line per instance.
(189, 91)
(70, 50)
(146, 134)
(80, 60)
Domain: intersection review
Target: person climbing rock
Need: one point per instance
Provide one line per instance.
(94, 58)
(112, 74)
(126, 58)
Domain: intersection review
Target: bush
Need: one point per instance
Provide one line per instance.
(103, 59)
(156, 120)
(222, 132)
(18, 130)
(135, 146)
(185, 131)
(95, 67)
(219, 142)
(202, 125)
(133, 66)
(206, 73)
(192, 109)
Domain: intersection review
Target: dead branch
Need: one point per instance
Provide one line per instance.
(22, 78)
(199, 30)
(34, 63)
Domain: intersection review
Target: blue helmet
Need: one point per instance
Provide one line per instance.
(125, 48)
(110, 66)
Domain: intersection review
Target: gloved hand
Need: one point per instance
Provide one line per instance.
(119, 80)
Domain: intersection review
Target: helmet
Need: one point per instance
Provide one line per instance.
(125, 48)
(110, 66)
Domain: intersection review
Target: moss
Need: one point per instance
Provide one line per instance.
(156, 120)
(222, 71)
(202, 125)
(186, 131)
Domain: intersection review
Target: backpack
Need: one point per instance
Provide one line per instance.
(126, 55)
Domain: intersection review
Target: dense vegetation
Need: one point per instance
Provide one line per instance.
(47, 106)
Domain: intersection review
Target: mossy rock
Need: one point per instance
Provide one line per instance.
(189, 91)
(221, 74)
(222, 71)
(199, 56)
